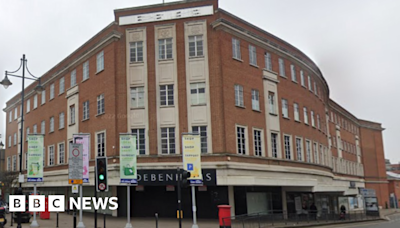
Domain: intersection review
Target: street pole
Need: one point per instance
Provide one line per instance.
(95, 196)
(128, 223)
(194, 207)
(80, 224)
(179, 197)
(34, 222)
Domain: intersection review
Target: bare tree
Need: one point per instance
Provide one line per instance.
(9, 180)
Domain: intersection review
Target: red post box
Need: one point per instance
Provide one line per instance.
(224, 215)
(45, 214)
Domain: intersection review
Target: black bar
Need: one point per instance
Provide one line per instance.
(104, 218)
(57, 219)
(12, 218)
(74, 217)
(179, 197)
(95, 195)
(156, 220)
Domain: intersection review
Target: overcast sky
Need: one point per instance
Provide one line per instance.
(354, 43)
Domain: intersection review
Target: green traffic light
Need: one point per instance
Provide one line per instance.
(101, 177)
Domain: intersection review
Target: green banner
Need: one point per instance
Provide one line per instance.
(127, 158)
(35, 158)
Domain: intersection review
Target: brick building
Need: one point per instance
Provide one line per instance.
(272, 139)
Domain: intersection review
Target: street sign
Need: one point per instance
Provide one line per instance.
(75, 164)
(84, 139)
(75, 189)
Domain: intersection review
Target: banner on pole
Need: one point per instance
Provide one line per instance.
(35, 158)
(192, 157)
(75, 164)
(84, 139)
(127, 158)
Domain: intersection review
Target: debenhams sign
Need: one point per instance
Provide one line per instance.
(160, 177)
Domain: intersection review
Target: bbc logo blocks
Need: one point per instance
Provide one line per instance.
(36, 203)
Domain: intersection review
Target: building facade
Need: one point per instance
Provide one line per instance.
(271, 138)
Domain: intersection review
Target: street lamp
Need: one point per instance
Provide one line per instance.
(39, 88)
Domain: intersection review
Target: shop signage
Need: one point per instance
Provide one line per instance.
(35, 158)
(127, 157)
(366, 192)
(163, 177)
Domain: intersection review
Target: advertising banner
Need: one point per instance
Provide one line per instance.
(84, 139)
(192, 158)
(35, 158)
(127, 158)
(75, 164)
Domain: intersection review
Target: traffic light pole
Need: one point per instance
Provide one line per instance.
(95, 196)
(179, 197)
(194, 207)
(128, 193)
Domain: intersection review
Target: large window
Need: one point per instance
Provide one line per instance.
(305, 115)
(43, 127)
(85, 110)
(286, 139)
(198, 93)
(136, 51)
(9, 141)
(282, 67)
(308, 150)
(10, 116)
(51, 155)
(299, 149)
(241, 140)
(318, 122)
(316, 159)
(236, 49)
(52, 124)
(52, 91)
(296, 112)
(43, 96)
(196, 46)
(167, 95)
(101, 144)
(303, 83)
(168, 140)
(202, 130)
(100, 61)
(35, 129)
(73, 78)
(14, 162)
(253, 55)
(312, 119)
(28, 105)
(140, 140)
(271, 102)
(100, 104)
(239, 96)
(268, 61)
(61, 121)
(61, 153)
(16, 113)
(62, 85)
(255, 100)
(15, 139)
(27, 133)
(165, 48)
(35, 101)
(293, 73)
(85, 70)
(315, 88)
(8, 164)
(257, 143)
(274, 145)
(309, 83)
(285, 112)
(72, 114)
(137, 97)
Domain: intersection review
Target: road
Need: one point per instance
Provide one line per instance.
(394, 222)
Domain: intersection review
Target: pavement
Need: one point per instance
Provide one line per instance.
(66, 221)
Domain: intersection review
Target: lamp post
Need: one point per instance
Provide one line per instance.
(39, 88)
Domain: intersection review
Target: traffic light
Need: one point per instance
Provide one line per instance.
(185, 176)
(101, 174)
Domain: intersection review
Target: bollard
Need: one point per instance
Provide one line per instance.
(156, 220)
(57, 219)
(12, 218)
(104, 218)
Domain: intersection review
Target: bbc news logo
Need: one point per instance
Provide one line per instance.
(56, 203)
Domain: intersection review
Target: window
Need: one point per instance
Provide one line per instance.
(198, 93)
(35, 101)
(72, 114)
(299, 149)
(136, 51)
(43, 96)
(27, 133)
(167, 95)
(274, 145)
(241, 140)
(34, 129)
(137, 97)
(73, 78)
(285, 113)
(196, 46)
(8, 164)
(61, 153)
(286, 139)
(51, 155)
(51, 91)
(302, 78)
(100, 104)
(16, 113)
(61, 121)
(236, 49)
(85, 70)
(100, 61)
(14, 157)
(271, 102)
(308, 150)
(253, 55)
(318, 122)
(316, 153)
(62, 85)
(309, 83)
(257, 143)
(101, 149)
(315, 88)
(255, 100)
(51, 124)
(165, 48)
(293, 73)
(28, 105)
(296, 112)
(312, 119)
(202, 130)
(321, 153)
(268, 61)
(9, 141)
(43, 127)
(168, 140)
(10, 116)
(85, 110)
(282, 67)
(239, 96)
(15, 139)
(140, 140)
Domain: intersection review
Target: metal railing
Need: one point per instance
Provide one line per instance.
(282, 218)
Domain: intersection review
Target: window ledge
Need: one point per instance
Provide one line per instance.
(71, 124)
(51, 132)
(255, 110)
(283, 76)
(138, 108)
(60, 94)
(196, 105)
(254, 65)
(297, 121)
(100, 114)
(51, 99)
(238, 106)
(304, 86)
(296, 82)
(136, 63)
(61, 128)
(98, 72)
(166, 60)
(167, 106)
(84, 80)
(240, 60)
(85, 120)
(273, 114)
(284, 117)
(196, 57)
